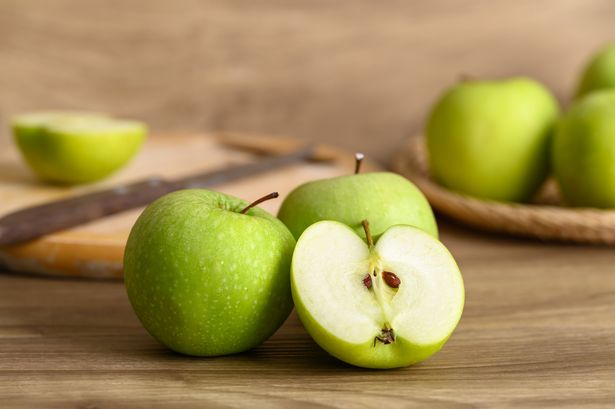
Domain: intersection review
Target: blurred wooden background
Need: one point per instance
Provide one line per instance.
(358, 73)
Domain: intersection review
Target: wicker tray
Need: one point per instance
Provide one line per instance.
(545, 218)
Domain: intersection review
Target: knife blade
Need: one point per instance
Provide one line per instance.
(36, 221)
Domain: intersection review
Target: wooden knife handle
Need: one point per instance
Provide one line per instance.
(35, 221)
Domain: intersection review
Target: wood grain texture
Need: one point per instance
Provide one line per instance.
(538, 332)
(359, 73)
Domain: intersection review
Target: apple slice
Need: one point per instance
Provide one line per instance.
(387, 305)
(76, 147)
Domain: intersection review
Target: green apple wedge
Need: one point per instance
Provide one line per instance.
(384, 305)
(207, 274)
(584, 151)
(385, 198)
(491, 139)
(76, 147)
(599, 72)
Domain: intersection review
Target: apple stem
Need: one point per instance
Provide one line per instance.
(270, 196)
(358, 159)
(368, 234)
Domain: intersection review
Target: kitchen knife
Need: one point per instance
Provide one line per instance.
(36, 221)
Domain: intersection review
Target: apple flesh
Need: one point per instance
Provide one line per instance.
(490, 139)
(383, 306)
(70, 147)
(584, 151)
(206, 279)
(599, 72)
(34, 123)
(385, 198)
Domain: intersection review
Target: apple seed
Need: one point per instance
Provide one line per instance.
(391, 279)
(367, 281)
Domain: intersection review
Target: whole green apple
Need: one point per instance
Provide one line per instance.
(490, 139)
(599, 72)
(386, 305)
(206, 276)
(74, 147)
(584, 151)
(386, 198)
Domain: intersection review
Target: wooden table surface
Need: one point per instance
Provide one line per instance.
(538, 331)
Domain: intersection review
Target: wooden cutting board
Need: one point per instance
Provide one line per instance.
(96, 249)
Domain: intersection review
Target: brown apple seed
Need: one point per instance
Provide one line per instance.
(391, 279)
(367, 281)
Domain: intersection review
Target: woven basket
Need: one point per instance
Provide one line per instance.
(545, 218)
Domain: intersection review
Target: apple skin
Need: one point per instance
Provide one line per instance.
(385, 198)
(204, 279)
(599, 72)
(398, 355)
(490, 139)
(584, 151)
(401, 353)
(73, 150)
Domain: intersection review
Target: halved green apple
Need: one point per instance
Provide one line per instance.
(386, 305)
(76, 147)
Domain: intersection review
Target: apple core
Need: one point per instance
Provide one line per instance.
(377, 287)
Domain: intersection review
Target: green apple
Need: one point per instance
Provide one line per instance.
(386, 305)
(599, 72)
(75, 147)
(490, 139)
(385, 198)
(207, 274)
(584, 151)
